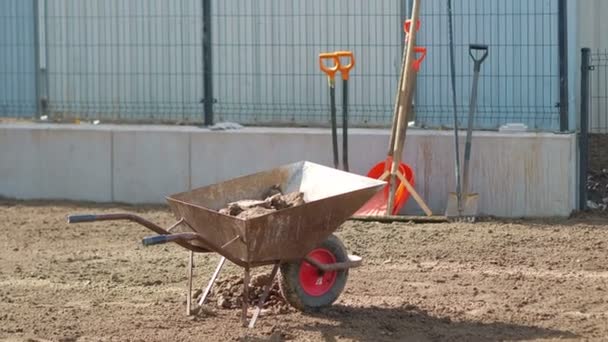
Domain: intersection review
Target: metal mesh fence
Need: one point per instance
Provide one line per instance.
(17, 59)
(124, 60)
(142, 60)
(267, 68)
(519, 82)
(598, 92)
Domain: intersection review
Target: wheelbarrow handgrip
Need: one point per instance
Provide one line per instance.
(160, 239)
(156, 240)
(82, 218)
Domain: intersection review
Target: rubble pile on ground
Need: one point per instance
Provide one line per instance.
(272, 200)
(228, 293)
(597, 190)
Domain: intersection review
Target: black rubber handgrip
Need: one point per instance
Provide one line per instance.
(478, 47)
(81, 218)
(156, 240)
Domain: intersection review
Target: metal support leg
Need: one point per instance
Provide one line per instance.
(245, 297)
(212, 281)
(267, 288)
(189, 294)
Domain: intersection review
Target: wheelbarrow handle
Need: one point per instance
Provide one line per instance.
(330, 70)
(115, 217)
(82, 218)
(345, 68)
(161, 239)
(478, 61)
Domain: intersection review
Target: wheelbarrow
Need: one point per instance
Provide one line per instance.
(298, 241)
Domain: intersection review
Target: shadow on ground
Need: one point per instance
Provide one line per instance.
(412, 324)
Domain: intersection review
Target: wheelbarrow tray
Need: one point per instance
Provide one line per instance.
(331, 197)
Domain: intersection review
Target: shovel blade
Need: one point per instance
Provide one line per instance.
(470, 205)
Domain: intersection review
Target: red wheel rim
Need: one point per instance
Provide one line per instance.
(313, 282)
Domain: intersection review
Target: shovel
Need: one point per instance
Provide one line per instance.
(344, 70)
(335, 60)
(468, 205)
(331, 71)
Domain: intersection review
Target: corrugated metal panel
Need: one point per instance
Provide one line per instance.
(519, 81)
(133, 60)
(17, 59)
(266, 67)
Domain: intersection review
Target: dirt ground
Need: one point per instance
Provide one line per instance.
(488, 281)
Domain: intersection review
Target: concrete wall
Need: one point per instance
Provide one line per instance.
(517, 175)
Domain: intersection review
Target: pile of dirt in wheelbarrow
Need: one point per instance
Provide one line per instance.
(228, 294)
(272, 200)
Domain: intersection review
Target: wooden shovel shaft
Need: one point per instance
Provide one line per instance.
(402, 107)
(391, 143)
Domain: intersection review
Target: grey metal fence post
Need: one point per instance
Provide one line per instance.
(563, 64)
(584, 129)
(38, 76)
(208, 99)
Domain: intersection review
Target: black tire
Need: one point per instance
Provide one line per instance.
(293, 291)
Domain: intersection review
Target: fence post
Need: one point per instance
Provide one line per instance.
(208, 99)
(563, 64)
(37, 71)
(584, 129)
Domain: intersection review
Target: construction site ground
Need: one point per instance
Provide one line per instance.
(488, 281)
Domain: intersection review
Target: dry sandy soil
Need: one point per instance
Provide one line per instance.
(489, 281)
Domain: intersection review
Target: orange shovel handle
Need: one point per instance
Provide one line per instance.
(345, 68)
(329, 70)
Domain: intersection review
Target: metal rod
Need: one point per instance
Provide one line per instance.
(338, 266)
(345, 126)
(218, 269)
(231, 241)
(267, 288)
(189, 297)
(245, 297)
(175, 225)
(584, 129)
(334, 124)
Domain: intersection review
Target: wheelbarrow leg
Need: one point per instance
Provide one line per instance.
(245, 297)
(212, 281)
(189, 294)
(267, 288)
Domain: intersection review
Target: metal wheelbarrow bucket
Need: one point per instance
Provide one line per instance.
(298, 240)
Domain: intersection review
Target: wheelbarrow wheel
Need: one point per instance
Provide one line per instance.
(305, 287)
